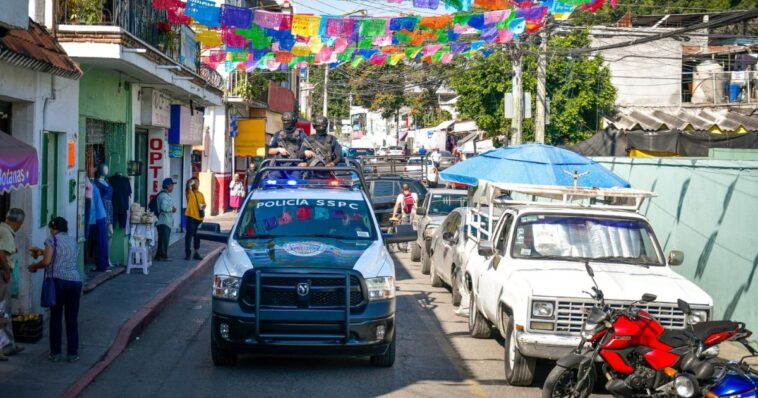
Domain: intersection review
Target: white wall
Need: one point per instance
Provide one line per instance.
(644, 75)
(216, 149)
(41, 102)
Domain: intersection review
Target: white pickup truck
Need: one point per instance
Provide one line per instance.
(525, 269)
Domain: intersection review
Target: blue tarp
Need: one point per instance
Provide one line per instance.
(534, 164)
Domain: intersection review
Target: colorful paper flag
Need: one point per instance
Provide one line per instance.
(236, 17)
(204, 12)
(306, 25)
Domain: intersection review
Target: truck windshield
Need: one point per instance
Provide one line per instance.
(444, 204)
(585, 238)
(303, 218)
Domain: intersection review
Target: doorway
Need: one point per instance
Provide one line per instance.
(140, 155)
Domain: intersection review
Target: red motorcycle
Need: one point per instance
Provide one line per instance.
(638, 356)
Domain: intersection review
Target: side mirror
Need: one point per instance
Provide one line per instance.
(486, 249)
(404, 233)
(676, 257)
(448, 236)
(210, 227)
(684, 306)
(420, 211)
(648, 298)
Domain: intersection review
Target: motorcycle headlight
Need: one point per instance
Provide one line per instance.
(684, 386)
(543, 309)
(697, 316)
(380, 288)
(589, 330)
(226, 287)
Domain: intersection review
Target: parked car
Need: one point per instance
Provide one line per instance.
(446, 160)
(305, 271)
(354, 153)
(437, 204)
(383, 151)
(395, 151)
(384, 191)
(447, 253)
(527, 277)
(422, 169)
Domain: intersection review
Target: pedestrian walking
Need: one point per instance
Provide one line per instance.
(250, 176)
(165, 224)
(406, 203)
(195, 214)
(236, 193)
(60, 263)
(13, 222)
(436, 158)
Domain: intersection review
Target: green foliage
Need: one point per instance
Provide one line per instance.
(579, 90)
(608, 14)
(339, 98)
(382, 89)
(256, 84)
(87, 12)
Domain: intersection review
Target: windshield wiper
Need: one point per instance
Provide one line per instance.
(623, 260)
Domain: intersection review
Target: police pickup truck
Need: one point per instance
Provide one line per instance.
(525, 267)
(305, 271)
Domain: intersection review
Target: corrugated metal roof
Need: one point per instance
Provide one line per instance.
(34, 48)
(658, 119)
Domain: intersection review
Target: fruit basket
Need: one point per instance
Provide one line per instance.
(27, 328)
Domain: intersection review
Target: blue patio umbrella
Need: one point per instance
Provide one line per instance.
(534, 164)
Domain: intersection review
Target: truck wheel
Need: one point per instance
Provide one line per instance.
(415, 252)
(561, 382)
(455, 287)
(222, 358)
(435, 278)
(387, 359)
(519, 370)
(478, 327)
(426, 262)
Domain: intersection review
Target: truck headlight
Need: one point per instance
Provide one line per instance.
(697, 316)
(226, 287)
(543, 309)
(380, 288)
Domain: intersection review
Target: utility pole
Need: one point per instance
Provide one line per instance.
(539, 123)
(326, 84)
(517, 65)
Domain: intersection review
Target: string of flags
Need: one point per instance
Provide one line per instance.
(243, 38)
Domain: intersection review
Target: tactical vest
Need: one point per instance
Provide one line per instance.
(290, 143)
(322, 150)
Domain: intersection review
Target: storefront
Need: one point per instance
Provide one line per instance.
(186, 133)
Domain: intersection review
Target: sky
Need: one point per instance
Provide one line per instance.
(373, 7)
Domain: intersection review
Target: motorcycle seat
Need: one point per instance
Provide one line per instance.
(702, 330)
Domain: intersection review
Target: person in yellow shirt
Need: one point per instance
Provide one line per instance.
(195, 213)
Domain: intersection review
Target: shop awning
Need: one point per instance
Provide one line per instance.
(251, 138)
(18, 164)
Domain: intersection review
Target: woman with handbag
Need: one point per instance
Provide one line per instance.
(195, 213)
(61, 289)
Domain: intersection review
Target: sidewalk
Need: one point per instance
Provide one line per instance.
(102, 314)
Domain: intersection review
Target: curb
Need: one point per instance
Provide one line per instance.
(93, 283)
(134, 326)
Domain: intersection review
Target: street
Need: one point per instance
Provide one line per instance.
(435, 356)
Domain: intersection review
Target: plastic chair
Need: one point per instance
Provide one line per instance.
(138, 257)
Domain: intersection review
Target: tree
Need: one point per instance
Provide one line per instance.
(381, 88)
(579, 89)
(338, 106)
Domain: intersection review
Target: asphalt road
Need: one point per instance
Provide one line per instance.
(435, 357)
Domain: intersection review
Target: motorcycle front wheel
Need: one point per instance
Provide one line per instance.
(562, 383)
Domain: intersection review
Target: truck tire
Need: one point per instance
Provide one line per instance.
(426, 262)
(478, 327)
(561, 381)
(415, 252)
(435, 278)
(220, 357)
(455, 288)
(519, 370)
(387, 359)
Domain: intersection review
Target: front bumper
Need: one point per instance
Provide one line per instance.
(546, 346)
(307, 336)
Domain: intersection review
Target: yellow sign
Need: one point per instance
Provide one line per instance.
(251, 137)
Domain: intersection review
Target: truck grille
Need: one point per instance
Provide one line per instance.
(280, 291)
(571, 314)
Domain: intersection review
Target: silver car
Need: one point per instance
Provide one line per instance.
(437, 204)
(447, 253)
